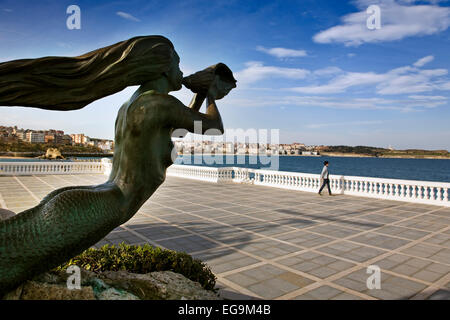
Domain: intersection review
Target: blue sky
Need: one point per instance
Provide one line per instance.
(310, 68)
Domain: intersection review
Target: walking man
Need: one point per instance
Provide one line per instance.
(325, 176)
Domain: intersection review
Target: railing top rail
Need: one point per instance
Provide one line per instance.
(49, 162)
(286, 173)
(394, 181)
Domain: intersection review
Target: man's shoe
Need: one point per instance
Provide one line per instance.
(319, 194)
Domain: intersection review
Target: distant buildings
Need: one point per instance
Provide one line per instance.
(58, 138)
(105, 145)
(240, 148)
(35, 137)
(53, 137)
(80, 138)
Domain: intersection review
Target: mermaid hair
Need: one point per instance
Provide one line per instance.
(71, 83)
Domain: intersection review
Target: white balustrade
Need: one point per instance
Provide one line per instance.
(201, 173)
(46, 167)
(436, 193)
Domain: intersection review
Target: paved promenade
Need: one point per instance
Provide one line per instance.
(268, 243)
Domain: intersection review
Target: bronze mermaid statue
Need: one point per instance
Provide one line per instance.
(71, 219)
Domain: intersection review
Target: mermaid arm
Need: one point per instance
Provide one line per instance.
(178, 116)
(197, 101)
(196, 104)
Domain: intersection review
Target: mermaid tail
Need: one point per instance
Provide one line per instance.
(64, 224)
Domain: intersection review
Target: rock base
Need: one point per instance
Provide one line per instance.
(112, 285)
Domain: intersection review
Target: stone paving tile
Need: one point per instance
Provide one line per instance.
(355, 211)
(265, 223)
(266, 215)
(231, 294)
(139, 222)
(441, 294)
(295, 222)
(225, 259)
(213, 213)
(432, 252)
(241, 209)
(402, 232)
(417, 207)
(442, 212)
(188, 244)
(269, 281)
(399, 212)
(115, 238)
(183, 218)
(356, 223)
(441, 239)
(379, 240)
(414, 267)
(267, 229)
(351, 251)
(158, 211)
(334, 231)
(316, 264)
(346, 296)
(238, 221)
(203, 227)
(446, 287)
(304, 238)
(423, 224)
(230, 237)
(191, 207)
(380, 218)
(158, 231)
(266, 248)
(392, 287)
(321, 293)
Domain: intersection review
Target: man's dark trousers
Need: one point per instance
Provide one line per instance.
(325, 182)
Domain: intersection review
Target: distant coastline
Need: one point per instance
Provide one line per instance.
(336, 154)
(324, 154)
(356, 155)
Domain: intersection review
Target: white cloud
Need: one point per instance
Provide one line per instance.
(327, 71)
(256, 71)
(409, 82)
(370, 103)
(407, 79)
(399, 19)
(127, 16)
(427, 98)
(342, 83)
(283, 52)
(421, 62)
(338, 124)
(445, 86)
